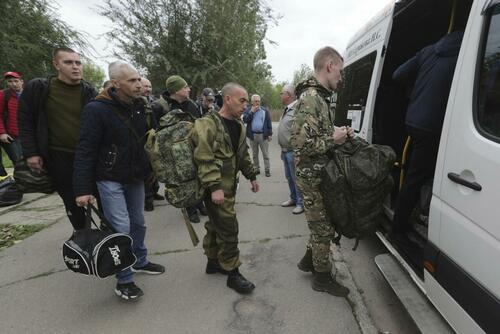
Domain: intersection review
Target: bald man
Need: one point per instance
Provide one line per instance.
(218, 166)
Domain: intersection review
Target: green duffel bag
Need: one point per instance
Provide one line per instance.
(30, 181)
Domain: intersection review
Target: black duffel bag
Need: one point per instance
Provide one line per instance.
(98, 252)
(30, 181)
(9, 192)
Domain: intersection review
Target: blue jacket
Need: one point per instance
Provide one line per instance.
(268, 125)
(430, 72)
(108, 150)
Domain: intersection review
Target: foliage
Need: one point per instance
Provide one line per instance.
(208, 42)
(11, 234)
(93, 74)
(29, 32)
(301, 74)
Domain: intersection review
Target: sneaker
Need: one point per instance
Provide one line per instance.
(288, 203)
(298, 210)
(128, 291)
(158, 197)
(150, 268)
(268, 173)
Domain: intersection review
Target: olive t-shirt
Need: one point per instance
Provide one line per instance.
(63, 106)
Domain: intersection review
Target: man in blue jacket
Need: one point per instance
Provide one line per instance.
(430, 73)
(110, 151)
(259, 131)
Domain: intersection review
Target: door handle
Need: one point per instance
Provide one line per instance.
(458, 179)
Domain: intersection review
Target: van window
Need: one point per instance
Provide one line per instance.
(487, 116)
(351, 97)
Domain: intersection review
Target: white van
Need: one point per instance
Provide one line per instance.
(457, 264)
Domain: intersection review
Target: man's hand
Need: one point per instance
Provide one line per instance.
(218, 197)
(5, 138)
(350, 132)
(269, 138)
(35, 163)
(85, 200)
(340, 135)
(255, 186)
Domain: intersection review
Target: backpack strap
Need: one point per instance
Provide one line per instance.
(127, 122)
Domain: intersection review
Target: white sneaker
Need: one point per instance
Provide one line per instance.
(298, 210)
(288, 203)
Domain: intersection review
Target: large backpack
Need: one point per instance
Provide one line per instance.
(170, 152)
(355, 183)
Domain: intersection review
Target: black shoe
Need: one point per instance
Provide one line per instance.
(194, 218)
(268, 173)
(149, 206)
(128, 291)
(158, 197)
(203, 211)
(306, 263)
(324, 282)
(240, 284)
(150, 268)
(213, 267)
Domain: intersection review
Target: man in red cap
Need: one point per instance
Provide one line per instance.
(9, 132)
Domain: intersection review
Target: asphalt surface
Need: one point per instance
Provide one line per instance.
(39, 295)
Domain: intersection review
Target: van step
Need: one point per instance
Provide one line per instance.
(426, 317)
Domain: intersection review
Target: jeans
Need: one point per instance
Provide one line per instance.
(289, 162)
(14, 152)
(123, 206)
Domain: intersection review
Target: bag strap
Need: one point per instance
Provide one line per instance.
(89, 220)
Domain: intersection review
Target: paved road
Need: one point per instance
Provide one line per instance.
(38, 295)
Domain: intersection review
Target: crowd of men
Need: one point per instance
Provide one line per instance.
(90, 144)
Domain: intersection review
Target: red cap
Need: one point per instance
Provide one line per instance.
(12, 74)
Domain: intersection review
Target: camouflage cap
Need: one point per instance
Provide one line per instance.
(175, 83)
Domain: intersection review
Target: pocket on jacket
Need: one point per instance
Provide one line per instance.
(110, 158)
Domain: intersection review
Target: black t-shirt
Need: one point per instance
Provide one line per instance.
(234, 129)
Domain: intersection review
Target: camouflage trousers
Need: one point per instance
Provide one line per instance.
(321, 230)
(221, 240)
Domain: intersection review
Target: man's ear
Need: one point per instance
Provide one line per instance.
(54, 63)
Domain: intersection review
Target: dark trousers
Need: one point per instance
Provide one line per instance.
(422, 163)
(150, 190)
(60, 167)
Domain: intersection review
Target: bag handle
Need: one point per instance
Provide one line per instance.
(89, 220)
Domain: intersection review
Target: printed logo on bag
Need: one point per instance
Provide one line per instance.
(115, 253)
(72, 262)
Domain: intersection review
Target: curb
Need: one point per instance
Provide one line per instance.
(355, 299)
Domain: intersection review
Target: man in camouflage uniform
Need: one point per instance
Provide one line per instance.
(313, 135)
(219, 158)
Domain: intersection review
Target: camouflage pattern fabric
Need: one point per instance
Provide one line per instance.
(355, 183)
(218, 166)
(170, 152)
(311, 140)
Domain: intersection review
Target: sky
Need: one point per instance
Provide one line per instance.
(302, 28)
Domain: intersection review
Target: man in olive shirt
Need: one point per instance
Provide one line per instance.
(49, 123)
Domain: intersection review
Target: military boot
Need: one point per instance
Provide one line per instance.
(306, 263)
(213, 267)
(324, 282)
(238, 282)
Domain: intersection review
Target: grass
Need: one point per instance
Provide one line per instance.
(11, 234)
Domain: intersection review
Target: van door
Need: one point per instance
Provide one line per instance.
(465, 222)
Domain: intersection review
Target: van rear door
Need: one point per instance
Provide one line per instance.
(465, 210)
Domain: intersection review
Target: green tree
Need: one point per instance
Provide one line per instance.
(301, 74)
(29, 32)
(208, 42)
(93, 74)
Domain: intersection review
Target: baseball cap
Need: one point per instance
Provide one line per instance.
(12, 74)
(208, 93)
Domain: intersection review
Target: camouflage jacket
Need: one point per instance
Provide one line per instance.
(312, 127)
(217, 163)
